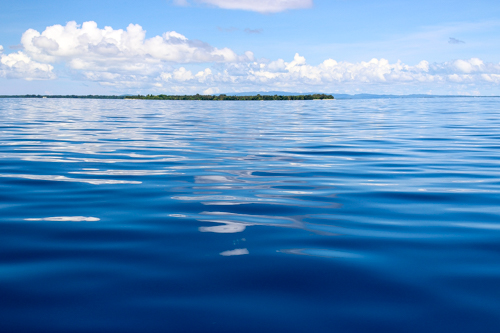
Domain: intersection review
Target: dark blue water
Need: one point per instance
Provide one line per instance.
(303, 216)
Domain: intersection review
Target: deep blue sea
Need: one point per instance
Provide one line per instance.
(375, 215)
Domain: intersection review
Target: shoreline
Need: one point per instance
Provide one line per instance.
(196, 97)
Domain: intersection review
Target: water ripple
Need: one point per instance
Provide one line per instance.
(349, 215)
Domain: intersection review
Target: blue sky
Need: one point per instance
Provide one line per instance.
(217, 46)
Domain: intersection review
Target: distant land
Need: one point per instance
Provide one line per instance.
(355, 96)
(197, 97)
(255, 95)
(244, 97)
(373, 96)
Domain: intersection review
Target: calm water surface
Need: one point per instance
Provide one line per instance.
(303, 216)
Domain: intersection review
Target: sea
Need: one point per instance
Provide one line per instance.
(373, 215)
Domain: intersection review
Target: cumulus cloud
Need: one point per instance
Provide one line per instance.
(179, 75)
(172, 63)
(20, 66)
(330, 74)
(87, 47)
(298, 75)
(211, 91)
(261, 6)
(468, 66)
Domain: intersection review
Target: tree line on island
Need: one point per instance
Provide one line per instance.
(197, 97)
(224, 97)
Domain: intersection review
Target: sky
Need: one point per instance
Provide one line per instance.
(110, 47)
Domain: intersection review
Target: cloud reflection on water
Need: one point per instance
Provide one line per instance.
(226, 228)
(236, 252)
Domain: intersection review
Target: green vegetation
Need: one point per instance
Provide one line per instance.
(223, 97)
(196, 97)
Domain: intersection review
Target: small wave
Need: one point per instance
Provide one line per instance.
(66, 179)
(324, 253)
(66, 219)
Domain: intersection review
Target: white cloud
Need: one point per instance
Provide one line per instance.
(19, 66)
(211, 91)
(87, 47)
(180, 74)
(297, 75)
(262, 6)
(493, 78)
(468, 66)
(172, 63)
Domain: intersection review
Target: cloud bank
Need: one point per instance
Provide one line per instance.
(330, 74)
(298, 75)
(261, 6)
(172, 63)
(20, 66)
(87, 47)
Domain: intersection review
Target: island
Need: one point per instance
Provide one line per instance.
(224, 97)
(197, 97)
